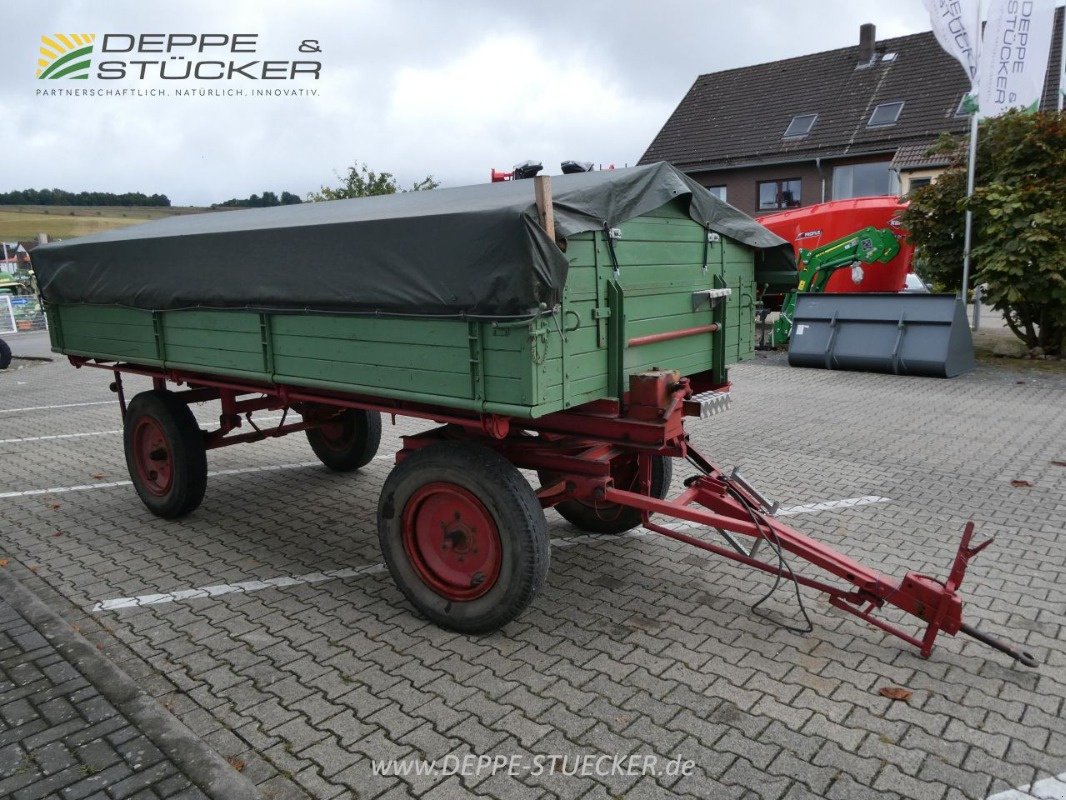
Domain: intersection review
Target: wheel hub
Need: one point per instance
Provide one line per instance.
(337, 434)
(152, 457)
(451, 541)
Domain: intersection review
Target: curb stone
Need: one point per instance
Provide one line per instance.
(194, 757)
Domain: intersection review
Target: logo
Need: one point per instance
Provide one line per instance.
(65, 55)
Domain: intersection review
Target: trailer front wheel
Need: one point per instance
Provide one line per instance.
(348, 440)
(5, 355)
(165, 454)
(464, 536)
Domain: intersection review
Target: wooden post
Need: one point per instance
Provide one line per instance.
(542, 190)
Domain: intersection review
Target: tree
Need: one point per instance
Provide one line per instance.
(269, 199)
(361, 181)
(61, 197)
(1019, 215)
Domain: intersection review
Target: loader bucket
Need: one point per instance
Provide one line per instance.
(903, 334)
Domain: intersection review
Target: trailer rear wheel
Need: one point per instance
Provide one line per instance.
(348, 441)
(165, 454)
(610, 517)
(5, 355)
(464, 536)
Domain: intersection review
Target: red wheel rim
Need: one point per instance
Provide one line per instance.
(337, 435)
(451, 541)
(152, 456)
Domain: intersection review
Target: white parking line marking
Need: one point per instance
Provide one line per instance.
(58, 436)
(284, 580)
(61, 405)
(375, 569)
(234, 588)
(27, 439)
(829, 505)
(85, 487)
(1046, 789)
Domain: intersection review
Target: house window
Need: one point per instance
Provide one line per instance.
(918, 182)
(864, 180)
(779, 194)
(719, 192)
(800, 126)
(885, 114)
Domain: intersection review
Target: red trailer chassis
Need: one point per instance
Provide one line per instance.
(580, 449)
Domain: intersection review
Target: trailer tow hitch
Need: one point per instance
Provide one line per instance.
(729, 505)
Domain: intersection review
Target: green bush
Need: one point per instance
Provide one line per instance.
(1019, 237)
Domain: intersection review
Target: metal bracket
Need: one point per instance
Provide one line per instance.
(614, 233)
(709, 297)
(769, 506)
(736, 545)
(713, 237)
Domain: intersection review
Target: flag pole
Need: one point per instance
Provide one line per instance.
(1062, 62)
(971, 170)
(968, 230)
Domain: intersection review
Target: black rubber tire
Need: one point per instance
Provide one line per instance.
(5, 355)
(188, 455)
(608, 517)
(357, 445)
(506, 495)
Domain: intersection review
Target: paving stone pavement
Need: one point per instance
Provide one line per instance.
(59, 737)
(637, 644)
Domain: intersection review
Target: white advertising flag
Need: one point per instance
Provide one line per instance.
(957, 27)
(1014, 55)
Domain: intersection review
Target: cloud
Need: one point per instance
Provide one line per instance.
(414, 88)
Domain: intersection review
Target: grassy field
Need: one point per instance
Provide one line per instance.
(65, 222)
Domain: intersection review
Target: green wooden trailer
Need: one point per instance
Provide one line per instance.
(570, 336)
(565, 327)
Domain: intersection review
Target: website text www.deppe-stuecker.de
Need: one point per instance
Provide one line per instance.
(585, 766)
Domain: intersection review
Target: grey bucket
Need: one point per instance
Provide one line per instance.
(904, 334)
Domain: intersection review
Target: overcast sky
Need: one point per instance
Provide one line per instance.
(451, 89)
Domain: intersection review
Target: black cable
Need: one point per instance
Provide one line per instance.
(782, 562)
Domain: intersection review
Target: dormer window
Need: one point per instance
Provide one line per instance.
(885, 114)
(800, 125)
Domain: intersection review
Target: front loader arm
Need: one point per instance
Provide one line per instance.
(866, 246)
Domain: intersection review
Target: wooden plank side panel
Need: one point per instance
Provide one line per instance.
(75, 313)
(217, 321)
(228, 341)
(423, 356)
(107, 332)
(208, 358)
(142, 350)
(452, 333)
(210, 341)
(111, 330)
(347, 375)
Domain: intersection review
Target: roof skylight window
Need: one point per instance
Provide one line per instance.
(800, 125)
(885, 114)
